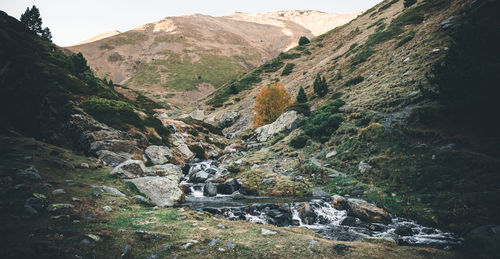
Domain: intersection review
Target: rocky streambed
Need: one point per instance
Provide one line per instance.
(335, 218)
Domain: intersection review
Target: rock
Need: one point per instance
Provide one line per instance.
(227, 119)
(286, 122)
(331, 154)
(197, 114)
(158, 155)
(58, 192)
(111, 158)
(163, 191)
(186, 246)
(127, 252)
(406, 60)
(169, 170)
(152, 256)
(107, 209)
(306, 214)
(166, 247)
(29, 173)
(129, 169)
(350, 221)
(85, 242)
(37, 203)
(266, 232)
(448, 23)
(108, 189)
(141, 199)
(221, 226)
(312, 243)
(210, 189)
(269, 181)
(367, 211)
(229, 186)
(199, 177)
(180, 144)
(30, 210)
(237, 195)
(339, 202)
(230, 244)
(341, 248)
(84, 166)
(357, 191)
(404, 231)
(483, 241)
(364, 167)
(55, 207)
(318, 193)
(182, 217)
(213, 242)
(407, 73)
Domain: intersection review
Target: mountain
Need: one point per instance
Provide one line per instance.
(100, 36)
(178, 60)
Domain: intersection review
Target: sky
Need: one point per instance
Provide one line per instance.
(72, 21)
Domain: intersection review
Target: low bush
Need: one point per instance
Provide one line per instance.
(287, 55)
(324, 121)
(288, 69)
(302, 108)
(362, 56)
(354, 81)
(408, 37)
(303, 41)
(299, 141)
(116, 114)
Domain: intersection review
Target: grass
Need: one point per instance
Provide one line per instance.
(114, 57)
(382, 36)
(289, 55)
(244, 83)
(128, 38)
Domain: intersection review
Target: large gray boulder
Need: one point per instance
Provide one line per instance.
(170, 170)
(199, 177)
(111, 158)
(158, 155)
(130, 169)
(367, 212)
(227, 119)
(286, 122)
(180, 144)
(163, 191)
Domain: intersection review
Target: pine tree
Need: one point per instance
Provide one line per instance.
(320, 86)
(110, 83)
(301, 96)
(33, 22)
(46, 34)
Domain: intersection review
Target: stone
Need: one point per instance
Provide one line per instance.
(152, 256)
(84, 166)
(30, 210)
(367, 211)
(129, 169)
(180, 144)
(213, 242)
(230, 244)
(364, 167)
(483, 241)
(55, 207)
(339, 202)
(357, 191)
(312, 243)
(109, 189)
(163, 191)
(58, 192)
(186, 246)
(448, 23)
(107, 209)
(319, 193)
(268, 181)
(38, 203)
(158, 155)
(85, 242)
(29, 173)
(306, 214)
(285, 123)
(331, 154)
(127, 252)
(404, 231)
(237, 195)
(229, 186)
(181, 217)
(197, 114)
(407, 73)
(141, 199)
(406, 60)
(166, 247)
(169, 170)
(111, 158)
(199, 177)
(210, 189)
(221, 226)
(267, 232)
(227, 119)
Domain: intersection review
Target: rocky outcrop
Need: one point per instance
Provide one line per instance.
(158, 155)
(129, 169)
(180, 145)
(111, 158)
(285, 123)
(170, 170)
(163, 191)
(367, 211)
(227, 119)
(339, 202)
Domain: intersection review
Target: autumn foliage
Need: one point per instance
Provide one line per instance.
(270, 103)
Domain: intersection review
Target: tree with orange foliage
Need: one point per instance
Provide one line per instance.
(270, 103)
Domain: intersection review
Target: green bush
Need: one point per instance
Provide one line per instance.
(320, 86)
(287, 55)
(324, 121)
(273, 65)
(354, 81)
(386, 6)
(114, 57)
(299, 141)
(303, 41)
(362, 56)
(116, 114)
(408, 3)
(383, 36)
(301, 96)
(302, 108)
(408, 37)
(288, 69)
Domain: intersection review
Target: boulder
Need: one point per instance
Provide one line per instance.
(267, 232)
(319, 193)
(339, 202)
(227, 119)
(229, 186)
(158, 155)
(197, 114)
(199, 177)
(237, 195)
(331, 154)
(56, 207)
(163, 191)
(364, 167)
(109, 189)
(367, 211)
(285, 123)
(170, 170)
(180, 144)
(210, 189)
(111, 158)
(448, 23)
(306, 214)
(29, 173)
(141, 199)
(483, 241)
(403, 230)
(129, 169)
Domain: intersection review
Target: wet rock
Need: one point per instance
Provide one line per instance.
(58, 192)
(339, 202)
(403, 231)
(141, 199)
(319, 193)
(199, 177)
(227, 119)
(111, 158)
(285, 123)
(267, 232)
(228, 187)
(158, 155)
(306, 214)
(163, 191)
(210, 189)
(127, 252)
(56, 207)
(237, 195)
(367, 211)
(364, 167)
(29, 174)
(109, 189)
(129, 169)
(483, 241)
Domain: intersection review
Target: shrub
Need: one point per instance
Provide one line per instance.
(288, 69)
(302, 108)
(383, 36)
(301, 96)
(408, 37)
(410, 16)
(408, 3)
(303, 41)
(362, 56)
(116, 114)
(273, 65)
(320, 86)
(115, 57)
(286, 55)
(198, 151)
(386, 6)
(324, 121)
(270, 103)
(299, 141)
(354, 81)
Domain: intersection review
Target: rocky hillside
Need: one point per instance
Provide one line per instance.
(402, 143)
(182, 59)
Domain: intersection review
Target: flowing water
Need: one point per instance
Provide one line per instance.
(316, 214)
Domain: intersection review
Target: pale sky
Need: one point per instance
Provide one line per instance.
(73, 21)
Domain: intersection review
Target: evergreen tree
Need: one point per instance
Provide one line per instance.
(33, 22)
(303, 40)
(301, 96)
(320, 86)
(110, 83)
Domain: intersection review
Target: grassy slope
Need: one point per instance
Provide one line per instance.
(45, 236)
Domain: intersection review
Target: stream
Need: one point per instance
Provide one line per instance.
(227, 200)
